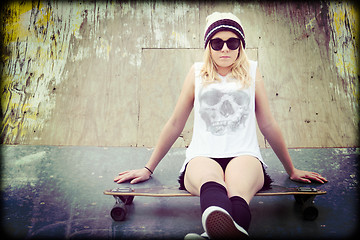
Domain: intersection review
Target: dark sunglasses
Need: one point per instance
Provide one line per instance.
(217, 43)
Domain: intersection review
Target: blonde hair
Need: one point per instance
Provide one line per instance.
(239, 69)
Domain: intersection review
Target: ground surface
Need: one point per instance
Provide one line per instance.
(57, 192)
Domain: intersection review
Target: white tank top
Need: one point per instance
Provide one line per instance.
(224, 119)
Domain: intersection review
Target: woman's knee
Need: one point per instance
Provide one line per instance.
(244, 177)
(201, 170)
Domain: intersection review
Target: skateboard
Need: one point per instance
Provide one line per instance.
(125, 195)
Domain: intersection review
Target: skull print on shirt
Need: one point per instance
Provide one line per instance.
(223, 112)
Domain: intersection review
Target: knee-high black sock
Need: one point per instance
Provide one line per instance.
(214, 194)
(240, 212)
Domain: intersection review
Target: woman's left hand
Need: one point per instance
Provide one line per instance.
(307, 177)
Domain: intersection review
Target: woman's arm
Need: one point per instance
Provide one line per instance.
(271, 130)
(169, 133)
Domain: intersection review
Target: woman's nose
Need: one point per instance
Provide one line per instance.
(225, 48)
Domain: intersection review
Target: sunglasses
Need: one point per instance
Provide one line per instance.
(217, 44)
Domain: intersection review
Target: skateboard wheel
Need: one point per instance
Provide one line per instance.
(310, 213)
(118, 212)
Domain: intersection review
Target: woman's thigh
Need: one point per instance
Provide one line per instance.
(201, 170)
(244, 177)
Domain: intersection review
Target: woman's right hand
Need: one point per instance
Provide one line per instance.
(134, 176)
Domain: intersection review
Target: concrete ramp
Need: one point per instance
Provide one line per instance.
(61, 196)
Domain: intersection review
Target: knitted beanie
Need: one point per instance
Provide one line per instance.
(217, 22)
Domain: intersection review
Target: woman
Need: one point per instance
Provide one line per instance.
(223, 163)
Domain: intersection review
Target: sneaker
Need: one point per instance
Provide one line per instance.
(218, 224)
(195, 236)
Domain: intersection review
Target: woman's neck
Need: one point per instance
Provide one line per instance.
(223, 71)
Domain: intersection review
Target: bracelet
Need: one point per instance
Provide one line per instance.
(149, 170)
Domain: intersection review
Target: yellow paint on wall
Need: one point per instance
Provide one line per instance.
(344, 21)
(36, 52)
(37, 38)
(17, 20)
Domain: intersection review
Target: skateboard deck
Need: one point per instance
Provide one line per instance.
(125, 195)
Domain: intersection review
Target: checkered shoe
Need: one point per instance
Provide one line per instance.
(218, 224)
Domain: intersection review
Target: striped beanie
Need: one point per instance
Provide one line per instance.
(217, 22)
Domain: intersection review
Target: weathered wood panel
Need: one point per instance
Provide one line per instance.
(97, 102)
(295, 52)
(76, 73)
(162, 76)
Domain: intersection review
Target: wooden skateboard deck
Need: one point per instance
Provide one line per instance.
(125, 195)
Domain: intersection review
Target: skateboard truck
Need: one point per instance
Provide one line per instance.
(309, 211)
(122, 190)
(306, 189)
(118, 212)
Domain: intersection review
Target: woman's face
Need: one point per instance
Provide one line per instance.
(225, 57)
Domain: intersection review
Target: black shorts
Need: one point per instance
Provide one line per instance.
(223, 163)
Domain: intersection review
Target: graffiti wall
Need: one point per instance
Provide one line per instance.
(109, 73)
